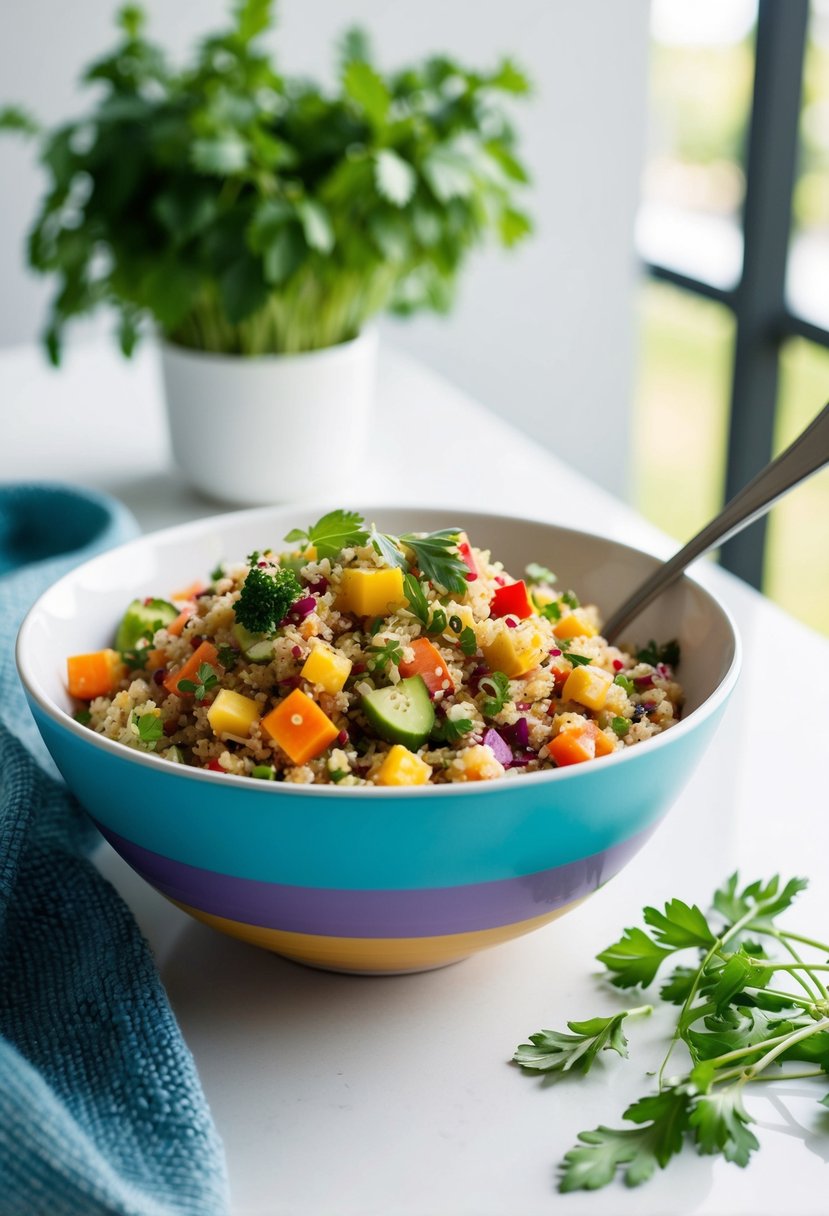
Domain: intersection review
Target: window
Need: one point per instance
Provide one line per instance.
(734, 234)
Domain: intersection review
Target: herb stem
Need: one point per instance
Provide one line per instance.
(753, 1049)
(804, 984)
(793, 968)
(796, 1037)
(788, 1076)
(804, 941)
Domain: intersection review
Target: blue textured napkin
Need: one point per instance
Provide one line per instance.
(101, 1110)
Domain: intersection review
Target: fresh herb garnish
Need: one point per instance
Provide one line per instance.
(496, 691)
(449, 730)
(388, 547)
(735, 1019)
(337, 774)
(551, 611)
(539, 574)
(438, 622)
(336, 531)
(436, 556)
(136, 657)
(626, 683)
(390, 652)
(265, 598)
(416, 596)
(227, 657)
(217, 572)
(375, 626)
(620, 726)
(263, 772)
(206, 678)
(578, 660)
(83, 716)
(653, 654)
(149, 725)
(467, 641)
(570, 599)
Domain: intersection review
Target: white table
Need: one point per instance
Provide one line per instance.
(346, 1096)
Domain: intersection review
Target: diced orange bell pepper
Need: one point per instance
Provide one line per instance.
(428, 663)
(190, 592)
(205, 653)
(578, 744)
(155, 659)
(300, 727)
(94, 675)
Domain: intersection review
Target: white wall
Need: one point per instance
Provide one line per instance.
(542, 335)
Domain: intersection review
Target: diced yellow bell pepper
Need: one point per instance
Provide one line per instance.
(573, 627)
(371, 592)
(232, 714)
(587, 685)
(402, 767)
(326, 667)
(513, 651)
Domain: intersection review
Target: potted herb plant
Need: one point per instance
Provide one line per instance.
(258, 223)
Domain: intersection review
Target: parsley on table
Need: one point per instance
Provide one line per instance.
(735, 1018)
(149, 725)
(206, 678)
(496, 693)
(336, 531)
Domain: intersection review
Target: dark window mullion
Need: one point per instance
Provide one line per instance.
(760, 300)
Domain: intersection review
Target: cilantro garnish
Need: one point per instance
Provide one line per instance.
(149, 725)
(83, 716)
(551, 611)
(449, 730)
(539, 574)
(496, 693)
(570, 599)
(206, 678)
(217, 572)
(735, 1017)
(336, 531)
(266, 596)
(620, 726)
(653, 654)
(626, 683)
(578, 660)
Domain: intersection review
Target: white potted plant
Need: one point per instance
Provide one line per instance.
(258, 223)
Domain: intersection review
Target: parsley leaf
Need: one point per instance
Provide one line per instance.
(496, 690)
(217, 572)
(653, 654)
(149, 725)
(206, 678)
(449, 730)
(436, 555)
(336, 531)
(390, 652)
(415, 593)
(679, 926)
(635, 959)
(638, 1151)
(720, 1121)
(387, 547)
(83, 716)
(467, 641)
(626, 683)
(553, 1051)
(539, 574)
(570, 599)
(551, 611)
(620, 726)
(766, 899)
(578, 660)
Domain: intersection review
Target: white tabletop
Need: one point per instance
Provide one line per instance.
(348, 1096)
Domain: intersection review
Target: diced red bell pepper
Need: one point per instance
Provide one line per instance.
(512, 600)
(465, 551)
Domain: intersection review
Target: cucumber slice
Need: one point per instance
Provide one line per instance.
(255, 646)
(140, 616)
(401, 713)
(175, 754)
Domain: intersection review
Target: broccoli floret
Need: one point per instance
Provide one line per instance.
(265, 598)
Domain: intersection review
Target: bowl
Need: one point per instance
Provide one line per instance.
(374, 880)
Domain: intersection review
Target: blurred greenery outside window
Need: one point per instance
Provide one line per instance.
(702, 76)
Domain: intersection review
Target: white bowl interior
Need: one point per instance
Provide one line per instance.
(80, 612)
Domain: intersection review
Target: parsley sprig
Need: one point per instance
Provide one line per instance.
(336, 531)
(149, 726)
(384, 654)
(735, 1017)
(495, 688)
(206, 679)
(450, 730)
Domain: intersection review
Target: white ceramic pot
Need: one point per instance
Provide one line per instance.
(271, 428)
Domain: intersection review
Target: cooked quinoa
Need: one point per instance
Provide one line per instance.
(394, 661)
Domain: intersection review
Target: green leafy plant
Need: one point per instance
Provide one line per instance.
(207, 678)
(247, 212)
(737, 1023)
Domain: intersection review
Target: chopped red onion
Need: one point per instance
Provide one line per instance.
(643, 681)
(500, 748)
(296, 651)
(302, 608)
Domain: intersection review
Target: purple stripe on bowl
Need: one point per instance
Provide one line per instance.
(421, 912)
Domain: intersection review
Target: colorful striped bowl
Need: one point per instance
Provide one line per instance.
(373, 880)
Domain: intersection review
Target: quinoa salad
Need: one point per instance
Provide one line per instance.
(351, 657)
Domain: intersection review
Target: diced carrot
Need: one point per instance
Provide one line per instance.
(300, 727)
(94, 675)
(190, 592)
(429, 664)
(205, 653)
(176, 627)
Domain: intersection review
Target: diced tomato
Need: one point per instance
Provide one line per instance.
(465, 551)
(429, 664)
(512, 600)
(214, 766)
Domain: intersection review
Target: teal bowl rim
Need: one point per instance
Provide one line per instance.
(475, 789)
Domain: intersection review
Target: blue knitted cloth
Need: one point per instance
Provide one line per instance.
(101, 1110)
